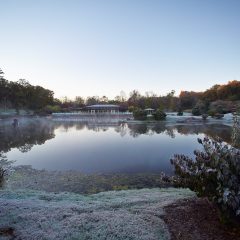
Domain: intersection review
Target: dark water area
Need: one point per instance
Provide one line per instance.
(109, 148)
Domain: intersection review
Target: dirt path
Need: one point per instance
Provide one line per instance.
(196, 219)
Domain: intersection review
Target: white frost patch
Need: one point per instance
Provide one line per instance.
(131, 214)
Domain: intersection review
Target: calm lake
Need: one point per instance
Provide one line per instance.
(110, 148)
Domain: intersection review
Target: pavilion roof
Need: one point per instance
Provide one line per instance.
(105, 106)
(149, 109)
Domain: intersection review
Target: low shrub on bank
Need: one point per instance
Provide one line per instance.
(199, 109)
(180, 113)
(139, 114)
(159, 115)
(214, 173)
(196, 111)
(236, 131)
(204, 116)
(5, 167)
(52, 109)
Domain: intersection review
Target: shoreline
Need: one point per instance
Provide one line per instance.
(170, 120)
(26, 177)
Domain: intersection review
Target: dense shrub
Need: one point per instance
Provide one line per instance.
(5, 167)
(200, 108)
(52, 109)
(159, 115)
(196, 111)
(180, 113)
(204, 116)
(214, 173)
(139, 114)
(236, 131)
(218, 115)
(211, 113)
(215, 114)
(222, 107)
(131, 108)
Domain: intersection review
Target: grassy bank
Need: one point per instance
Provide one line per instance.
(131, 214)
(25, 177)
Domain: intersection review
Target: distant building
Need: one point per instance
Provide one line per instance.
(149, 111)
(103, 108)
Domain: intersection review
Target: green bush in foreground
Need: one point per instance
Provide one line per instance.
(214, 173)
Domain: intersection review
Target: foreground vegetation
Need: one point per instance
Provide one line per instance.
(214, 173)
(118, 215)
(5, 168)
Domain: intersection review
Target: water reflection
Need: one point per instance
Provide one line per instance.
(135, 130)
(213, 130)
(126, 148)
(26, 135)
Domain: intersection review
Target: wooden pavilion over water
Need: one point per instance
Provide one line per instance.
(102, 108)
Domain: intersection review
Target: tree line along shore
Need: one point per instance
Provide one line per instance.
(21, 96)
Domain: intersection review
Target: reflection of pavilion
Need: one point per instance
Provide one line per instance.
(103, 108)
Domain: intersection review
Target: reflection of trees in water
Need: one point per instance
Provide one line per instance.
(121, 129)
(214, 131)
(26, 135)
(170, 132)
(80, 126)
(36, 132)
(69, 124)
(151, 129)
(97, 128)
(25, 148)
(159, 128)
(137, 129)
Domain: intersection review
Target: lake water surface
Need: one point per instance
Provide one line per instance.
(109, 148)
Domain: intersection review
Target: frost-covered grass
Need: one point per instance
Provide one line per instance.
(26, 177)
(130, 214)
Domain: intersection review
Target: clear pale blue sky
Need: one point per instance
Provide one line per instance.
(99, 47)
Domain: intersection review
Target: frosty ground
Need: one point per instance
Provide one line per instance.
(130, 214)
